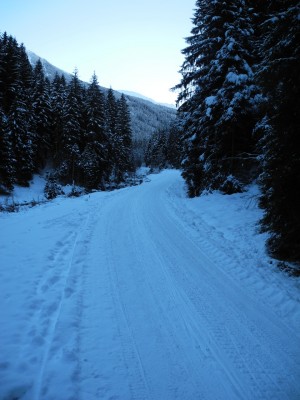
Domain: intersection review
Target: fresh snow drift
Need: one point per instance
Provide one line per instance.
(143, 294)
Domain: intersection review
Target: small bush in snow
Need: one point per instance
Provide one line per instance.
(52, 188)
(76, 191)
(231, 185)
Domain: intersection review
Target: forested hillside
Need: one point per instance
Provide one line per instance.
(148, 253)
(146, 117)
(239, 106)
(237, 120)
(86, 135)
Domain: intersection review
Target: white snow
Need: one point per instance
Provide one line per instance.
(210, 100)
(231, 42)
(237, 79)
(21, 195)
(142, 293)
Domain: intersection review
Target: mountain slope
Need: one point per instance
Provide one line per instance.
(140, 96)
(49, 69)
(146, 117)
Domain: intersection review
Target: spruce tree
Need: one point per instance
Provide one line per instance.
(114, 137)
(52, 188)
(111, 111)
(173, 146)
(19, 123)
(9, 71)
(58, 97)
(7, 173)
(17, 138)
(216, 98)
(41, 113)
(163, 149)
(156, 152)
(124, 134)
(72, 132)
(278, 74)
(95, 162)
(25, 70)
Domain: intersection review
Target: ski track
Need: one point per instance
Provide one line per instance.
(135, 303)
(53, 290)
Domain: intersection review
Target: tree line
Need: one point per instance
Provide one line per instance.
(238, 106)
(82, 134)
(163, 148)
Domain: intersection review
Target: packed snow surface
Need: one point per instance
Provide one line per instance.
(142, 293)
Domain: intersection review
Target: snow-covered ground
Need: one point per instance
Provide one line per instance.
(22, 195)
(142, 293)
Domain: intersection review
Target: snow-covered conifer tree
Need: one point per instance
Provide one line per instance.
(95, 161)
(73, 118)
(19, 123)
(278, 74)
(216, 97)
(41, 115)
(7, 173)
(9, 71)
(58, 104)
(124, 134)
(156, 152)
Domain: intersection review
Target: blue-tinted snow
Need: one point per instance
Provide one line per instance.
(142, 293)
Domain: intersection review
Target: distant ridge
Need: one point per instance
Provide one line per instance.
(147, 116)
(49, 69)
(141, 96)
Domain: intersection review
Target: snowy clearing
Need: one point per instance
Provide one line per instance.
(141, 294)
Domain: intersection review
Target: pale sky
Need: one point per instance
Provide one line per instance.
(132, 45)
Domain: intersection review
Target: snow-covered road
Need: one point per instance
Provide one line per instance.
(110, 296)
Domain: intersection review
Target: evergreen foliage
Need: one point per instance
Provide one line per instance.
(52, 188)
(72, 119)
(85, 136)
(216, 97)
(278, 75)
(111, 111)
(9, 73)
(41, 113)
(124, 161)
(19, 124)
(156, 153)
(163, 150)
(58, 105)
(7, 171)
(239, 107)
(173, 153)
(95, 161)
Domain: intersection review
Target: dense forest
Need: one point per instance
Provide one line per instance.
(237, 119)
(239, 109)
(80, 134)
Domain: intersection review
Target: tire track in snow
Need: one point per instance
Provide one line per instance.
(138, 384)
(111, 368)
(188, 335)
(172, 344)
(151, 313)
(125, 272)
(131, 359)
(242, 355)
(252, 273)
(186, 314)
(162, 355)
